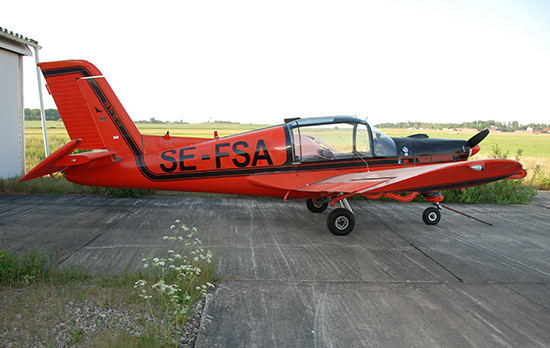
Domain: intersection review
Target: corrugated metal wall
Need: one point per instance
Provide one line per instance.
(12, 138)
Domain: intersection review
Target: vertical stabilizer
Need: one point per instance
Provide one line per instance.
(90, 109)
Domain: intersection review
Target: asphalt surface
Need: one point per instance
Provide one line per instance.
(287, 282)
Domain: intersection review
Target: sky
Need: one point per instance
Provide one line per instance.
(263, 61)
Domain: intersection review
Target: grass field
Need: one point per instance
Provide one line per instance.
(535, 148)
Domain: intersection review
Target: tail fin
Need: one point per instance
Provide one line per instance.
(90, 109)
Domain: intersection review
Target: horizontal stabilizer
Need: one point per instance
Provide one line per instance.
(62, 158)
(48, 166)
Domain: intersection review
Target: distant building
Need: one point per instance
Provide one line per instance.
(469, 130)
(495, 129)
(12, 126)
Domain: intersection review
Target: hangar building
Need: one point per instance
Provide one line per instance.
(13, 47)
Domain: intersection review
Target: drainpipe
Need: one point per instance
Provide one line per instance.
(42, 112)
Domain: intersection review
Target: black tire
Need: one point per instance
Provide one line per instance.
(431, 216)
(341, 222)
(315, 207)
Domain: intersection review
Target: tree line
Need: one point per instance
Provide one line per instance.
(34, 115)
(508, 126)
(53, 115)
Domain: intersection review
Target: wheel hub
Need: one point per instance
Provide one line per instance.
(342, 223)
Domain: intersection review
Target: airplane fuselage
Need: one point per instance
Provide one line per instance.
(225, 165)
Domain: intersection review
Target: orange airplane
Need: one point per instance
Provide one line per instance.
(323, 160)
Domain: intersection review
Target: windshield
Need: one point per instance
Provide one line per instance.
(384, 146)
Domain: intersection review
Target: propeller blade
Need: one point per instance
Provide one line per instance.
(476, 139)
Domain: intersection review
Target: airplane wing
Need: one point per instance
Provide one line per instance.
(420, 178)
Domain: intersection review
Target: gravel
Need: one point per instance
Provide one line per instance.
(65, 323)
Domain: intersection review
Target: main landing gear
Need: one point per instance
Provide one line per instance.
(340, 221)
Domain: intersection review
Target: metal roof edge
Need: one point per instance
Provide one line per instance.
(18, 38)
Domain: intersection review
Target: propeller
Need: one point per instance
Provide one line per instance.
(476, 139)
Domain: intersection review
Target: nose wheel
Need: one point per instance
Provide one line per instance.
(431, 216)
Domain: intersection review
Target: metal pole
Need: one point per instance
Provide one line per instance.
(42, 113)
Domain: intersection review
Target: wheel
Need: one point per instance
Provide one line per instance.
(316, 207)
(431, 216)
(340, 221)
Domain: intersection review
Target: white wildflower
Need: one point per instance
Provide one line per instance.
(140, 282)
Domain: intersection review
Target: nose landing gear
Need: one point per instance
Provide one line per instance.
(432, 215)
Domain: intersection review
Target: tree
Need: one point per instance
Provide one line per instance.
(34, 115)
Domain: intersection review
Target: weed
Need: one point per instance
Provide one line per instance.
(120, 193)
(27, 268)
(175, 282)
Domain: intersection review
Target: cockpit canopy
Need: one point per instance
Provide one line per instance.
(338, 137)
